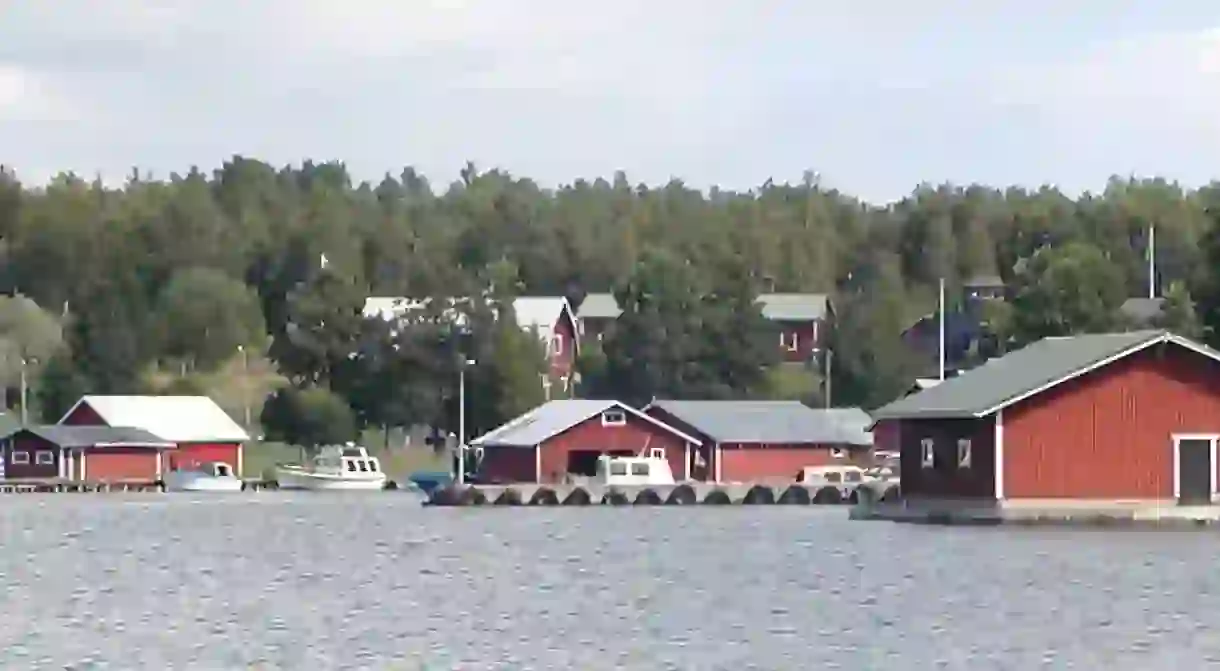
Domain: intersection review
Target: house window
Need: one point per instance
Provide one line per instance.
(963, 453)
(927, 453)
(44, 458)
(614, 418)
(20, 457)
(838, 452)
(639, 469)
(789, 341)
(557, 344)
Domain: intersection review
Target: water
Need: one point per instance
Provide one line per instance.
(277, 581)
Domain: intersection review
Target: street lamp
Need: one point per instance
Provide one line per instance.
(461, 437)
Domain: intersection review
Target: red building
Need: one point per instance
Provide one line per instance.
(198, 428)
(800, 321)
(566, 437)
(597, 314)
(95, 453)
(551, 317)
(1127, 417)
(747, 441)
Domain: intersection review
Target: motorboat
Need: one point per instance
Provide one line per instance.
(633, 471)
(335, 468)
(211, 476)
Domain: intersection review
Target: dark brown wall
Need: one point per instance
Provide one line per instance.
(945, 479)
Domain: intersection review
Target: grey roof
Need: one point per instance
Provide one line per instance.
(771, 422)
(793, 307)
(65, 435)
(1006, 379)
(554, 417)
(1142, 310)
(984, 281)
(599, 306)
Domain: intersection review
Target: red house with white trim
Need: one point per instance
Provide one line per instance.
(566, 437)
(198, 428)
(1127, 418)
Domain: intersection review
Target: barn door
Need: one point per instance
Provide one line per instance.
(1196, 472)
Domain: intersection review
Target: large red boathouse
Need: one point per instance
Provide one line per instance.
(1122, 418)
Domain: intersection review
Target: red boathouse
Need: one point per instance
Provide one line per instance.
(96, 453)
(566, 437)
(1120, 418)
(198, 428)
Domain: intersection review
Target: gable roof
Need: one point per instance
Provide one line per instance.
(181, 419)
(793, 307)
(599, 306)
(94, 436)
(1030, 370)
(1142, 310)
(554, 417)
(771, 422)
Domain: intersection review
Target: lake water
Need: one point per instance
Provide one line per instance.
(319, 582)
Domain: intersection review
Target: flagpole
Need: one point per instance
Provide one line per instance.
(942, 329)
(1151, 261)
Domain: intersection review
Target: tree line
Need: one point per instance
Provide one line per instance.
(247, 283)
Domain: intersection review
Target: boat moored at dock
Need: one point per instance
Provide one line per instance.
(211, 476)
(335, 468)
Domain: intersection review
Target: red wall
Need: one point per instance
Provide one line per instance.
(751, 463)
(1107, 434)
(563, 363)
(84, 415)
(190, 454)
(32, 444)
(118, 463)
(808, 336)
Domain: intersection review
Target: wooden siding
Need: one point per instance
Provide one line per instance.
(945, 478)
(507, 464)
(119, 463)
(84, 415)
(808, 339)
(754, 462)
(563, 362)
(1108, 434)
(30, 444)
(190, 454)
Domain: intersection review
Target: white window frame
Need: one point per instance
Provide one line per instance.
(556, 344)
(21, 457)
(614, 412)
(789, 341)
(927, 455)
(657, 453)
(964, 453)
(44, 458)
(838, 452)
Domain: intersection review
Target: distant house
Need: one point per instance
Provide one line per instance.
(564, 438)
(801, 321)
(596, 314)
(550, 317)
(962, 333)
(198, 429)
(743, 441)
(983, 288)
(1121, 417)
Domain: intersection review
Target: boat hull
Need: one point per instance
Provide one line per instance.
(291, 478)
(205, 483)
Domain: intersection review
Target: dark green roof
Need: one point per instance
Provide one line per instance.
(1017, 375)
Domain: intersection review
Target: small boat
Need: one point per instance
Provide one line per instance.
(211, 476)
(335, 468)
(633, 471)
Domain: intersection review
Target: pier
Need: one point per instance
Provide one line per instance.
(687, 493)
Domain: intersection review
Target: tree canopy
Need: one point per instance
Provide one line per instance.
(147, 276)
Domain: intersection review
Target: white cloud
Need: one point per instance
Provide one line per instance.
(23, 97)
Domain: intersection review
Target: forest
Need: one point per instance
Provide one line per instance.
(247, 283)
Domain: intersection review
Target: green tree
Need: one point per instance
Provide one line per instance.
(1178, 312)
(310, 418)
(58, 388)
(1067, 290)
(203, 316)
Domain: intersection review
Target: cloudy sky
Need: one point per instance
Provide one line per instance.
(876, 95)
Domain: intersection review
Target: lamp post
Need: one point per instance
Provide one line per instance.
(25, 414)
(461, 437)
(245, 384)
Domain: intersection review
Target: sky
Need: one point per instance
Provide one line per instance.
(876, 96)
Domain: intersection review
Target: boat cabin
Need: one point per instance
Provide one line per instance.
(346, 459)
(634, 471)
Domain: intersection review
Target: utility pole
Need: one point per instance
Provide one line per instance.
(942, 329)
(1151, 261)
(461, 437)
(245, 384)
(829, 356)
(25, 415)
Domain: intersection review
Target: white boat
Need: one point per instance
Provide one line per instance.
(335, 468)
(211, 476)
(634, 471)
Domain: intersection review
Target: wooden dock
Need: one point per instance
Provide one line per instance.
(67, 486)
(686, 493)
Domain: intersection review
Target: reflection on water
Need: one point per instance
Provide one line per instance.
(376, 582)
